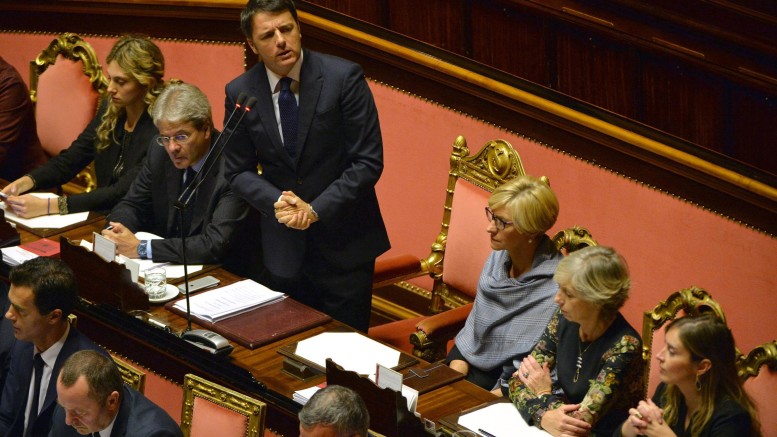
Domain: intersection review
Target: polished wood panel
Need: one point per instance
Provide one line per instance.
(442, 23)
(513, 41)
(599, 71)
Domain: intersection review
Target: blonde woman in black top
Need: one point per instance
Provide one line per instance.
(116, 139)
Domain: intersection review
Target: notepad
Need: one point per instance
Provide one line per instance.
(231, 300)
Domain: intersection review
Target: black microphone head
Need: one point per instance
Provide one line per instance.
(250, 103)
(240, 99)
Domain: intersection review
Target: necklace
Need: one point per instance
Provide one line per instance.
(579, 363)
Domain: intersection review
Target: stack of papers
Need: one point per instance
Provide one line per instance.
(225, 302)
(13, 256)
(303, 396)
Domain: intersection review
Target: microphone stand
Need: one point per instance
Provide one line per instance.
(186, 196)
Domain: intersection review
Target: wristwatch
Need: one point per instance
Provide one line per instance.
(143, 249)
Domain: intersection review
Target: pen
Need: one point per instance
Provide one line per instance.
(485, 433)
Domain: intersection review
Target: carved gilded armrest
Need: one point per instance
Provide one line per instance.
(430, 340)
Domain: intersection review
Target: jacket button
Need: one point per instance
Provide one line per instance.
(299, 181)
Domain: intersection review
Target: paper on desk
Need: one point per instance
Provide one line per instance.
(500, 420)
(172, 271)
(53, 221)
(231, 300)
(351, 350)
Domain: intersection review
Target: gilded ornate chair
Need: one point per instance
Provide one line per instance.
(66, 85)
(210, 409)
(131, 375)
(759, 371)
(689, 301)
(461, 246)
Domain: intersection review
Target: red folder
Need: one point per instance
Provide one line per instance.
(263, 325)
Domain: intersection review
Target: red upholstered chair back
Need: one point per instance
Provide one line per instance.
(210, 409)
(468, 244)
(759, 370)
(66, 84)
(66, 103)
(462, 246)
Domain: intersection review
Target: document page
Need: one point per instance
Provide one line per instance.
(351, 350)
(499, 420)
(231, 300)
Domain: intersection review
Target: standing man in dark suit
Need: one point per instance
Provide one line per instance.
(93, 399)
(42, 295)
(308, 158)
(183, 115)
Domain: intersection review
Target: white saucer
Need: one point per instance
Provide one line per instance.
(171, 292)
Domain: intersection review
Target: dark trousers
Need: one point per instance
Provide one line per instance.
(346, 295)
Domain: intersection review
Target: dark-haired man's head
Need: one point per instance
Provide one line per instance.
(42, 295)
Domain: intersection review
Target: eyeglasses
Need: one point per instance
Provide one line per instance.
(181, 139)
(498, 222)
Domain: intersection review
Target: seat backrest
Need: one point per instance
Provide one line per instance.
(759, 371)
(689, 301)
(210, 409)
(131, 375)
(461, 246)
(66, 85)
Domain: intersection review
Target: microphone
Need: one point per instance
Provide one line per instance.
(242, 107)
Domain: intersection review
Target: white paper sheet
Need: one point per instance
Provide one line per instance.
(500, 420)
(342, 346)
(230, 300)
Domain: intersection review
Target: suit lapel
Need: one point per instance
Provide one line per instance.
(266, 111)
(311, 83)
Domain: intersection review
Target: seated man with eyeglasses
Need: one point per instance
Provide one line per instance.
(514, 299)
(183, 116)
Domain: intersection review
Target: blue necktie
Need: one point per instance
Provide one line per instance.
(37, 364)
(287, 106)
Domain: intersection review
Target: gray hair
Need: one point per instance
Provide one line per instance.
(180, 103)
(598, 274)
(339, 407)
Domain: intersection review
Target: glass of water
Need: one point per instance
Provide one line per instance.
(155, 282)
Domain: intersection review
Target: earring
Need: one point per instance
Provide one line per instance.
(530, 241)
(698, 383)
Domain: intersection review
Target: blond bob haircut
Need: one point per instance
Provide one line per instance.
(531, 203)
(598, 275)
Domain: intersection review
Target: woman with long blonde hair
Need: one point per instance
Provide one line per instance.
(116, 139)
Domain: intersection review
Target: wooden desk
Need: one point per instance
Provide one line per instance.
(254, 372)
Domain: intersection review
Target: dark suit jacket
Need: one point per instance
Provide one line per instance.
(17, 385)
(65, 166)
(137, 417)
(7, 338)
(148, 206)
(339, 162)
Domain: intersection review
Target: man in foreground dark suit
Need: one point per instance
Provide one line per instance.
(183, 115)
(93, 399)
(316, 137)
(42, 295)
